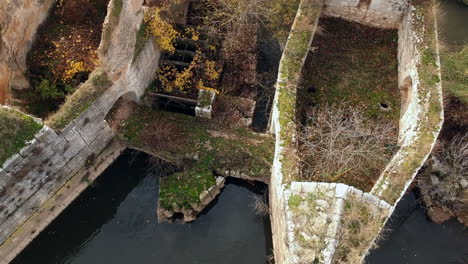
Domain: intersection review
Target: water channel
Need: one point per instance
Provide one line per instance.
(114, 221)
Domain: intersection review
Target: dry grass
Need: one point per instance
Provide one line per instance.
(361, 222)
(80, 100)
(342, 144)
(161, 135)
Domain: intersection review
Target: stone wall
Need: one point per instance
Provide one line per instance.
(283, 120)
(41, 168)
(314, 223)
(375, 13)
(421, 121)
(423, 115)
(19, 21)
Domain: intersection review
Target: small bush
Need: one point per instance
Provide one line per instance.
(48, 90)
(15, 130)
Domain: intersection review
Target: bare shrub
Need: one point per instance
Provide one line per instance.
(161, 135)
(260, 205)
(234, 16)
(341, 144)
(450, 166)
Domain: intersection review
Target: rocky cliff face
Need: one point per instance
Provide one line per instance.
(19, 21)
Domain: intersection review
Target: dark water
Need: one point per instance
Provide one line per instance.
(413, 239)
(114, 221)
(454, 23)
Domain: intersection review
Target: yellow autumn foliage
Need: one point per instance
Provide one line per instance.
(74, 68)
(163, 32)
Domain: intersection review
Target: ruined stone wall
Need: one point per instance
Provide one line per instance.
(31, 177)
(421, 121)
(283, 121)
(19, 21)
(375, 13)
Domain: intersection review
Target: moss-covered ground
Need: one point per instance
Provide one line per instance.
(15, 130)
(356, 67)
(352, 64)
(203, 147)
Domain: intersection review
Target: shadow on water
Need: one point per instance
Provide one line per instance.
(114, 221)
(412, 238)
(269, 56)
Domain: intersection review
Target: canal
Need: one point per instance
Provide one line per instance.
(114, 221)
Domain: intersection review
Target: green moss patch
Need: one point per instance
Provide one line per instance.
(15, 130)
(183, 189)
(200, 147)
(294, 55)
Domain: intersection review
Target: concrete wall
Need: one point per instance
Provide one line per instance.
(375, 13)
(41, 168)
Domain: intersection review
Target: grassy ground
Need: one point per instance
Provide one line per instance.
(15, 130)
(200, 146)
(354, 64)
(354, 67)
(455, 73)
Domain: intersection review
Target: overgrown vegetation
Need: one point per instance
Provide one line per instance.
(201, 148)
(349, 104)
(359, 224)
(15, 130)
(455, 74)
(78, 102)
(64, 53)
(230, 18)
(450, 166)
(356, 64)
(342, 144)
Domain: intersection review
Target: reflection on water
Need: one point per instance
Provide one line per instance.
(454, 23)
(115, 222)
